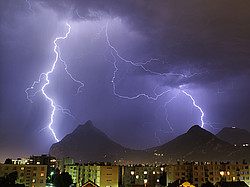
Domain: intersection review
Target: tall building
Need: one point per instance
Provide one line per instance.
(29, 175)
(48, 160)
(101, 175)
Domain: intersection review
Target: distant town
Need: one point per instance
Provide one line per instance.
(47, 170)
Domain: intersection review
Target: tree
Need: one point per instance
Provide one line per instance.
(63, 180)
(9, 179)
(8, 161)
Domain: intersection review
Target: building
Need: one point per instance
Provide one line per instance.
(89, 184)
(60, 164)
(231, 184)
(99, 174)
(187, 174)
(29, 175)
(21, 161)
(200, 173)
(48, 160)
(143, 175)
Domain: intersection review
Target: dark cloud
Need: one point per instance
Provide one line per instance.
(203, 46)
(209, 34)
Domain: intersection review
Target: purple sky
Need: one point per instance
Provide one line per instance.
(201, 47)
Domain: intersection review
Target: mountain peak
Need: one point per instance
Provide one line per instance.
(84, 143)
(89, 124)
(194, 129)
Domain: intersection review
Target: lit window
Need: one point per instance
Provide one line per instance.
(34, 180)
(162, 169)
(158, 180)
(228, 173)
(132, 172)
(145, 172)
(242, 178)
(222, 173)
(153, 172)
(137, 176)
(42, 174)
(233, 178)
(145, 181)
(37, 162)
(22, 168)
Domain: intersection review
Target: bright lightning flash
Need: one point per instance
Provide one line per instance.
(115, 54)
(194, 103)
(47, 82)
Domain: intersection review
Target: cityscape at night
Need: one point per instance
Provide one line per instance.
(127, 93)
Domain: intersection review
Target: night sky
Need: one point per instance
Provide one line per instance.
(135, 59)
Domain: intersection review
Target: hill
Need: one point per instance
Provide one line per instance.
(234, 136)
(88, 144)
(196, 145)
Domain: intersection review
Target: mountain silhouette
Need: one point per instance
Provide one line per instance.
(197, 144)
(234, 136)
(87, 143)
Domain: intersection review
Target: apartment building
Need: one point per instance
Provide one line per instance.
(29, 175)
(143, 175)
(101, 175)
(200, 173)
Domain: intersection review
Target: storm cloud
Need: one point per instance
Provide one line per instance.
(202, 47)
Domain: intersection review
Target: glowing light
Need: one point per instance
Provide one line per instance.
(194, 103)
(132, 172)
(222, 173)
(47, 82)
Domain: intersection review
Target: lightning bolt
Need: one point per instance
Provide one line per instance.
(134, 64)
(194, 103)
(45, 77)
(115, 54)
